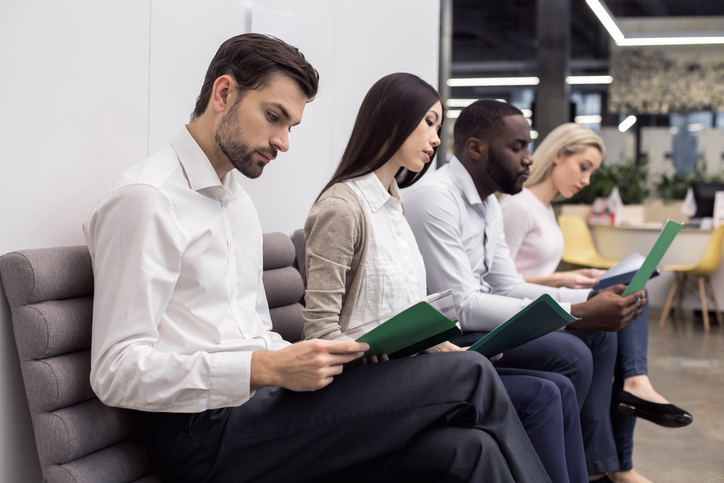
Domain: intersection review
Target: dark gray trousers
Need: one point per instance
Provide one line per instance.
(440, 417)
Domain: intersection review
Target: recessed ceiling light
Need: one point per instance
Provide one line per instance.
(609, 22)
(493, 82)
(589, 79)
(627, 123)
(592, 119)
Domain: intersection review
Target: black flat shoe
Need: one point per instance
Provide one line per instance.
(666, 415)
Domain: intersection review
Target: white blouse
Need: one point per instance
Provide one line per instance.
(532, 233)
(394, 274)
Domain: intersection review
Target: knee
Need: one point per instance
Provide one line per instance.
(606, 345)
(538, 396)
(578, 360)
(564, 385)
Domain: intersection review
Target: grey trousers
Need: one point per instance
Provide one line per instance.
(440, 417)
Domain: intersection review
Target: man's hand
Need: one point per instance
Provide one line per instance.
(305, 366)
(582, 278)
(607, 310)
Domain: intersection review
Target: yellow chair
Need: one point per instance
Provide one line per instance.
(578, 244)
(708, 264)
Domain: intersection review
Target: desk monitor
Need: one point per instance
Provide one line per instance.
(704, 194)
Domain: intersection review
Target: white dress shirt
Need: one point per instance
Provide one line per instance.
(394, 275)
(532, 234)
(462, 241)
(179, 304)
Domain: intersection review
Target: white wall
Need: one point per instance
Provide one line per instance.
(89, 87)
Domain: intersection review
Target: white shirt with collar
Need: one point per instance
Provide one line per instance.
(394, 275)
(463, 244)
(179, 303)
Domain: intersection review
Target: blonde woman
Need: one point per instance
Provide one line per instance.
(562, 165)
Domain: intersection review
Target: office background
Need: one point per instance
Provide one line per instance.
(89, 88)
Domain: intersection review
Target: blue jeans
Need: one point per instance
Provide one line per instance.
(633, 343)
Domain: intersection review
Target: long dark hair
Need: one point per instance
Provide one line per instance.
(390, 112)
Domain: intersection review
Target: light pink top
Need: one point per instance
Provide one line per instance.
(532, 234)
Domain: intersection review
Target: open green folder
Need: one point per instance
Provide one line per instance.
(540, 317)
(415, 329)
(671, 228)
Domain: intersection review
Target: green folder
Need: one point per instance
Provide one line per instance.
(415, 329)
(540, 317)
(671, 228)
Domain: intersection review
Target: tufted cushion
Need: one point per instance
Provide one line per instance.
(54, 327)
(288, 321)
(278, 251)
(58, 382)
(79, 439)
(37, 275)
(125, 462)
(300, 246)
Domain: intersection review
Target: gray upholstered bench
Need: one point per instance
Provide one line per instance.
(50, 292)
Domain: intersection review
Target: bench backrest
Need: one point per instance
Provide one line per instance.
(50, 292)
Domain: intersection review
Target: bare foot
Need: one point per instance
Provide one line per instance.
(629, 476)
(640, 386)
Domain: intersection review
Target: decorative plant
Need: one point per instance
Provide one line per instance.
(675, 187)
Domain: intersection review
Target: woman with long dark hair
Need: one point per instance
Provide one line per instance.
(362, 261)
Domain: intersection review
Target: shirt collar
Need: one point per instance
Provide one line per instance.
(463, 178)
(199, 171)
(374, 192)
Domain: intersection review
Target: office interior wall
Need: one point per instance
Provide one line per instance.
(88, 88)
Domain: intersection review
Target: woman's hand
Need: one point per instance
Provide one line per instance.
(450, 347)
(582, 278)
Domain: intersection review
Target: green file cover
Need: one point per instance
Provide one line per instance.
(415, 329)
(540, 317)
(671, 228)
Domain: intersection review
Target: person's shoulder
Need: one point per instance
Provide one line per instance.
(436, 185)
(337, 202)
(516, 204)
(142, 182)
(153, 171)
(339, 196)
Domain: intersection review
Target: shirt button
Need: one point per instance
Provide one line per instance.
(229, 401)
(220, 190)
(399, 233)
(409, 270)
(174, 407)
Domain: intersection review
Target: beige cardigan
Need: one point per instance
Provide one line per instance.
(336, 237)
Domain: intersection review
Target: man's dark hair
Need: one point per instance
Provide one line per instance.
(252, 59)
(483, 119)
(390, 112)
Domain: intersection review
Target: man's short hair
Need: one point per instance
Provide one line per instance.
(252, 59)
(483, 119)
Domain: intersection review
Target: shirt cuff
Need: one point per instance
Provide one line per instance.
(230, 383)
(573, 295)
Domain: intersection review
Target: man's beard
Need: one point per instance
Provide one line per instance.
(239, 153)
(507, 183)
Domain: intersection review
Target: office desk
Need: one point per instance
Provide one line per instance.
(618, 242)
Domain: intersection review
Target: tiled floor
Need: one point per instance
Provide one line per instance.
(686, 366)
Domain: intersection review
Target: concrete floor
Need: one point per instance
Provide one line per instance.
(686, 366)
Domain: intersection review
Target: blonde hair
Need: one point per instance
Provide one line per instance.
(565, 140)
